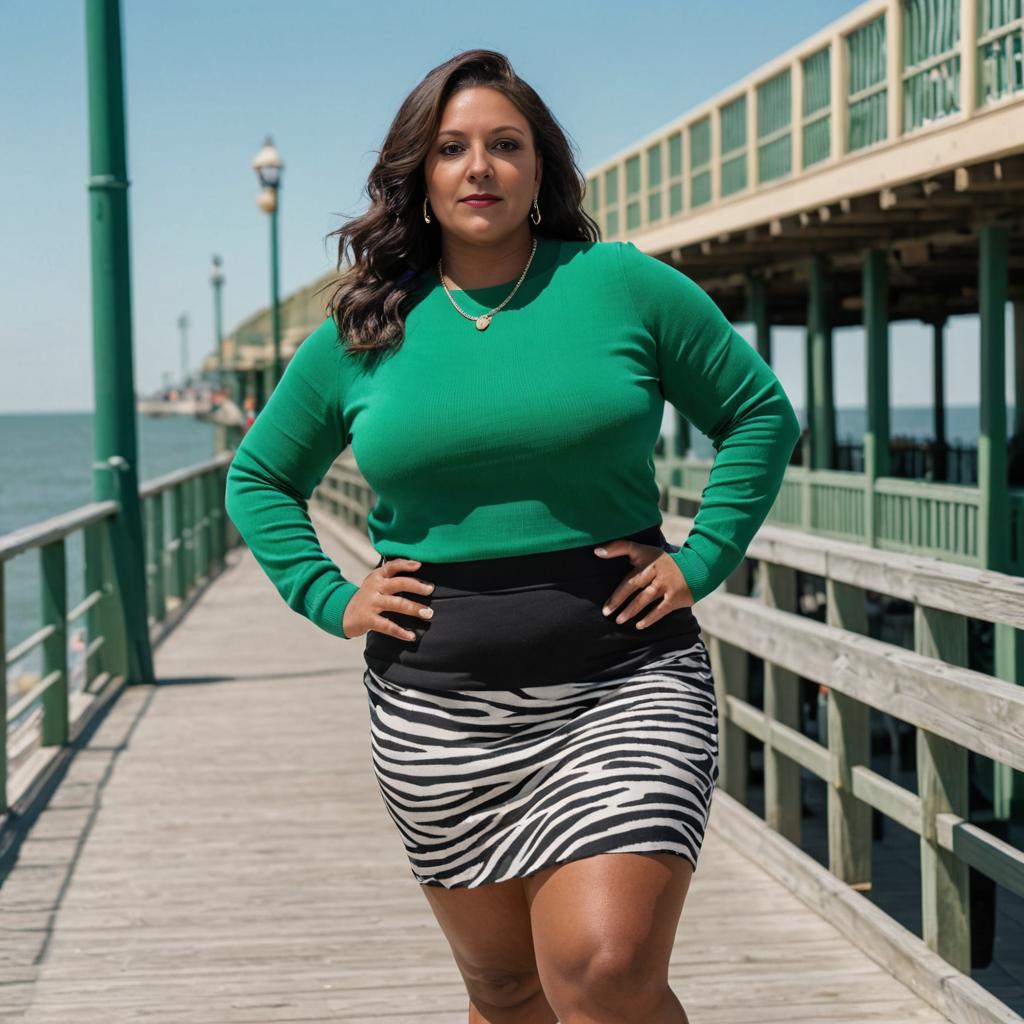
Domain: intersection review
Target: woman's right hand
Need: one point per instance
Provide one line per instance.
(379, 593)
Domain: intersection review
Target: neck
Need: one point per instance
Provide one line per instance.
(467, 266)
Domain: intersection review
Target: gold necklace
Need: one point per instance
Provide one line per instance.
(484, 320)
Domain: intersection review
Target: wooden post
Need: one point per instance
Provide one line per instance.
(783, 797)
(849, 743)
(729, 666)
(942, 784)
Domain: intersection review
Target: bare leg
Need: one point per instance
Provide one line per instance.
(603, 930)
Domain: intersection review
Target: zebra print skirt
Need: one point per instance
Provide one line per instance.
(490, 784)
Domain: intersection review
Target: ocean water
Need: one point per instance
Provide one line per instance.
(45, 470)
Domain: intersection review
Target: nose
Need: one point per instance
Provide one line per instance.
(479, 163)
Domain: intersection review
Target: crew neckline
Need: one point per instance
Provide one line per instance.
(547, 250)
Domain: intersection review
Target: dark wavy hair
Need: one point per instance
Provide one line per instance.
(391, 244)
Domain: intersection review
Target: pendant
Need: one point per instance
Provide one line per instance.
(483, 322)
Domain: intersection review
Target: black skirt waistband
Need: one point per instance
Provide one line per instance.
(524, 620)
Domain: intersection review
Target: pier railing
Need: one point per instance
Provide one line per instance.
(954, 710)
(187, 534)
(939, 520)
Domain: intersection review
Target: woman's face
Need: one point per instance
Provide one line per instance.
(483, 145)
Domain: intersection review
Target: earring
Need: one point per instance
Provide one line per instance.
(426, 216)
(537, 208)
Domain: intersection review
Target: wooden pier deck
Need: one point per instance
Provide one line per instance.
(219, 853)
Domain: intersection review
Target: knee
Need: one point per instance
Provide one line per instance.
(614, 978)
(499, 989)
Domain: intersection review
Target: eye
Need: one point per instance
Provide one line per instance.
(444, 149)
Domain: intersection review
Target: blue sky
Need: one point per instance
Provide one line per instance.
(206, 80)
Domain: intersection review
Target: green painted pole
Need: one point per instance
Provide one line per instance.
(275, 298)
(1018, 367)
(875, 288)
(821, 414)
(113, 372)
(757, 314)
(217, 280)
(994, 519)
(54, 612)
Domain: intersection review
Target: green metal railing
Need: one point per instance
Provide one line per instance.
(774, 122)
(938, 520)
(816, 105)
(733, 146)
(931, 61)
(1000, 49)
(700, 162)
(187, 534)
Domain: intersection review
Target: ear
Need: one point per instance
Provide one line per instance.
(540, 168)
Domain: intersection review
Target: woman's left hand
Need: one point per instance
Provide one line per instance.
(654, 575)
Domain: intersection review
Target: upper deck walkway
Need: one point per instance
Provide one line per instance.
(219, 853)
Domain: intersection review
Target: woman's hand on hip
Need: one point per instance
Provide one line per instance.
(654, 577)
(378, 593)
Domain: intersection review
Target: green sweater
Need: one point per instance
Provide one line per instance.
(534, 435)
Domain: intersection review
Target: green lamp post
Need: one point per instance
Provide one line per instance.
(217, 280)
(115, 467)
(268, 167)
(183, 327)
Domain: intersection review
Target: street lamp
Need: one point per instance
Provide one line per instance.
(268, 167)
(217, 280)
(183, 327)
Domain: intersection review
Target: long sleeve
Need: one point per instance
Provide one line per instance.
(281, 459)
(723, 386)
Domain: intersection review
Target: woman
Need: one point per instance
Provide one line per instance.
(542, 710)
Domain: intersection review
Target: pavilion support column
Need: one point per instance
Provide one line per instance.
(757, 314)
(820, 405)
(1018, 367)
(994, 518)
(875, 288)
(939, 398)
(681, 439)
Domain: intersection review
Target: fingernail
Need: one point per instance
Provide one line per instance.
(426, 612)
(600, 551)
(606, 611)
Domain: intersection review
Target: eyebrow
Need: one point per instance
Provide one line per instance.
(500, 128)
